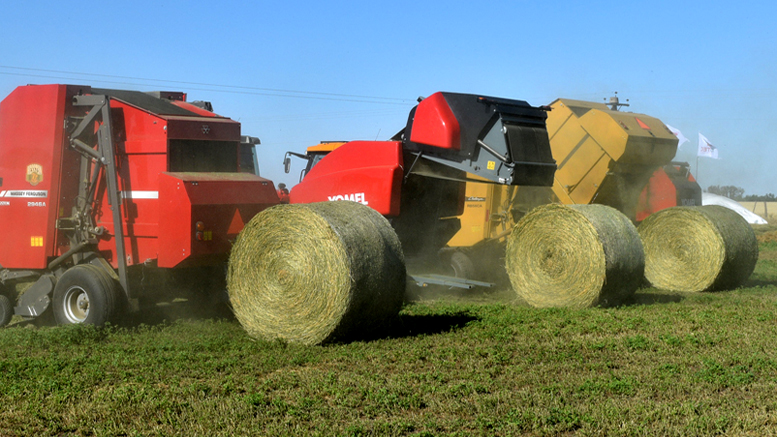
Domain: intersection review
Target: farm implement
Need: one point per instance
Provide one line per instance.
(102, 189)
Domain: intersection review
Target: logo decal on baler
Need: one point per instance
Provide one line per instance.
(355, 197)
(205, 129)
(34, 174)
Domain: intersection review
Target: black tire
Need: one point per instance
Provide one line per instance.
(119, 304)
(6, 310)
(462, 266)
(85, 294)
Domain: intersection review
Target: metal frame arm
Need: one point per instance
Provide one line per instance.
(105, 157)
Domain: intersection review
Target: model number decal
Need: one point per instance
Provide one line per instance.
(355, 197)
(36, 203)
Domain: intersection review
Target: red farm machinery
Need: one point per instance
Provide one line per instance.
(102, 188)
(670, 185)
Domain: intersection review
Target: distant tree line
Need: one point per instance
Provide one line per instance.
(768, 197)
(738, 193)
(729, 191)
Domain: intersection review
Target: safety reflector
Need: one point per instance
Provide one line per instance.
(36, 241)
(642, 124)
(237, 224)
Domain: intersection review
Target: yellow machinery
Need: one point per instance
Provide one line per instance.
(603, 156)
(312, 155)
(487, 214)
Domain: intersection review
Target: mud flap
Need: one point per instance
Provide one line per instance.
(36, 299)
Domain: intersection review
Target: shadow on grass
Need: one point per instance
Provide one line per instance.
(759, 283)
(652, 298)
(406, 326)
(409, 325)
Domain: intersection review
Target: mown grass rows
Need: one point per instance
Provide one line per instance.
(669, 364)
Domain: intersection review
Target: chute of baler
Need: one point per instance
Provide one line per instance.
(502, 140)
(605, 156)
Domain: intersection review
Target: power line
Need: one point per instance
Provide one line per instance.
(208, 84)
(326, 115)
(232, 89)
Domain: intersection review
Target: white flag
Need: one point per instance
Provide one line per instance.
(706, 148)
(678, 134)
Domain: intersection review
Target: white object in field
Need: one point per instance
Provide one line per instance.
(714, 199)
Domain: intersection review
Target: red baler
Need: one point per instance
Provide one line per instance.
(670, 185)
(80, 166)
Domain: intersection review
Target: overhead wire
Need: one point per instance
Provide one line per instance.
(231, 89)
(326, 116)
(234, 89)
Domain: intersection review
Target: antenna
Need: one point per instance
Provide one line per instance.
(615, 102)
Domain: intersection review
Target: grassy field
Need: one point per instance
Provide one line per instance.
(668, 364)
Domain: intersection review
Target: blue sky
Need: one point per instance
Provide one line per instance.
(295, 73)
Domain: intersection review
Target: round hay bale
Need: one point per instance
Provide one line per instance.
(698, 248)
(316, 272)
(574, 256)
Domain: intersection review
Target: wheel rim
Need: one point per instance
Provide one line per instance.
(458, 272)
(76, 304)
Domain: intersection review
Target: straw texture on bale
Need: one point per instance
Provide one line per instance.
(574, 256)
(316, 272)
(698, 248)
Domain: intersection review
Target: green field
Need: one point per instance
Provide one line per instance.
(667, 364)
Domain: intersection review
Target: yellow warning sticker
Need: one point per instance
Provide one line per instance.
(36, 241)
(491, 165)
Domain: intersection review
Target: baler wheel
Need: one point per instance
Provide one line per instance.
(6, 310)
(85, 294)
(462, 266)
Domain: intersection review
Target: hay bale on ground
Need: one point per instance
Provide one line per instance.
(698, 248)
(316, 272)
(574, 256)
